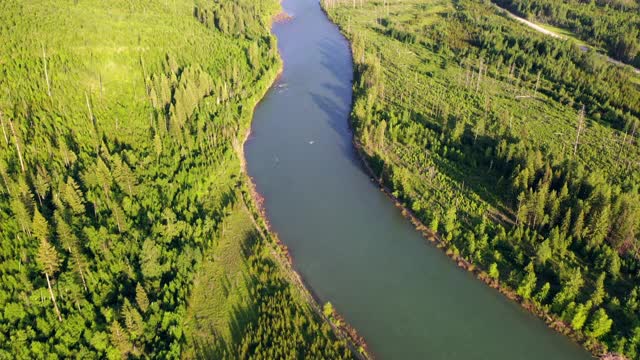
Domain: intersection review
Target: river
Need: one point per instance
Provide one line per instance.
(348, 241)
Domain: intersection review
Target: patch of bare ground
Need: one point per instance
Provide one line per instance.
(282, 17)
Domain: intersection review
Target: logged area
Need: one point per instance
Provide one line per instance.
(517, 150)
(127, 226)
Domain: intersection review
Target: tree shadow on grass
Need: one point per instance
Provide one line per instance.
(242, 315)
(211, 349)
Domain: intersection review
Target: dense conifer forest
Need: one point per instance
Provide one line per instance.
(519, 151)
(126, 225)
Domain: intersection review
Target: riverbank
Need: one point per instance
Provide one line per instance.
(553, 322)
(595, 347)
(253, 201)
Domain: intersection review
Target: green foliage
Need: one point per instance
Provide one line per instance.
(120, 123)
(528, 283)
(599, 325)
(541, 296)
(283, 328)
(612, 25)
(579, 316)
(47, 257)
(544, 252)
(327, 309)
(523, 145)
(141, 298)
(493, 271)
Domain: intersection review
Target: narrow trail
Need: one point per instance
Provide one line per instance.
(534, 26)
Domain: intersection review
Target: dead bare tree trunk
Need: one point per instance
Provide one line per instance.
(15, 139)
(46, 72)
(6, 184)
(479, 76)
(624, 140)
(84, 283)
(4, 132)
(467, 78)
(91, 117)
(579, 129)
(53, 298)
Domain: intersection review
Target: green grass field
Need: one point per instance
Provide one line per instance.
(220, 293)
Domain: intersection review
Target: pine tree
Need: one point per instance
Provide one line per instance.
(4, 176)
(570, 288)
(626, 220)
(72, 195)
(119, 217)
(124, 176)
(599, 325)
(566, 223)
(581, 313)
(599, 292)
(21, 215)
(478, 128)
(523, 210)
(49, 263)
(544, 252)
(599, 228)
(69, 241)
(133, 320)
(120, 340)
(379, 135)
(528, 283)
(40, 226)
(579, 129)
(450, 224)
(494, 273)
(578, 225)
(541, 296)
(42, 183)
(141, 298)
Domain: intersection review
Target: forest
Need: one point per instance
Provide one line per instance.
(122, 198)
(611, 25)
(519, 151)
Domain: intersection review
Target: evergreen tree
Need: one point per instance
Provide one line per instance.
(599, 325)
(580, 315)
(49, 264)
(120, 339)
(493, 271)
(141, 298)
(528, 282)
(599, 292)
(543, 254)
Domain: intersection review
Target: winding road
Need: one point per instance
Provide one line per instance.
(548, 32)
